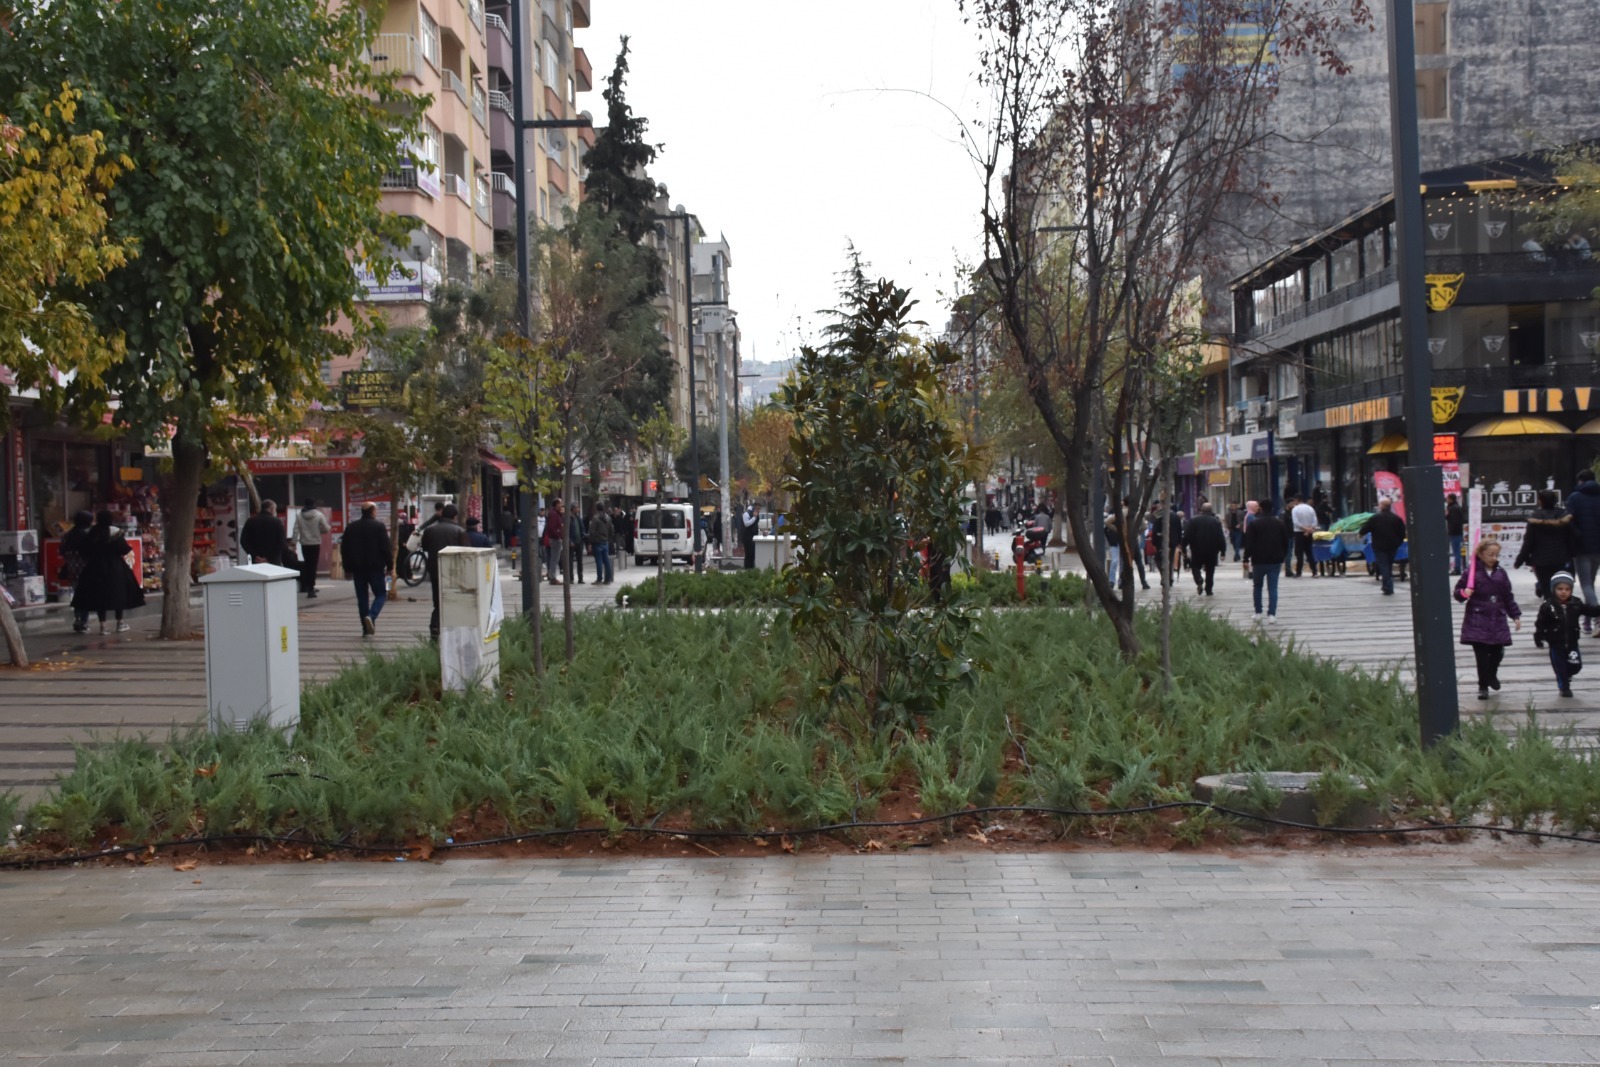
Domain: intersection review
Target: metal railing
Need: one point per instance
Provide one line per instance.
(397, 53)
(453, 83)
(481, 201)
(503, 183)
(1360, 287)
(1578, 369)
(456, 185)
(498, 23)
(1553, 261)
(405, 178)
(480, 108)
(1321, 396)
(500, 101)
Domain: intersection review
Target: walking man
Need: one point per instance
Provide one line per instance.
(1388, 533)
(368, 558)
(1305, 524)
(749, 523)
(309, 527)
(1584, 504)
(435, 539)
(263, 538)
(1235, 526)
(1455, 522)
(1266, 546)
(551, 539)
(1204, 538)
(600, 534)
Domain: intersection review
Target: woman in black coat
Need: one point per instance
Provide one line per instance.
(1547, 541)
(106, 582)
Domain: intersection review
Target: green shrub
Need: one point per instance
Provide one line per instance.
(712, 719)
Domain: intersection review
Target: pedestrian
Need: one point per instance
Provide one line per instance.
(1546, 542)
(551, 538)
(1304, 517)
(1207, 544)
(1234, 522)
(368, 558)
(74, 553)
(438, 514)
(476, 538)
(1266, 546)
(600, 534)
(575, 540)
(716, 530)
(749, 524)
(1584, 505)
(1157, 534)
(1491, 612)
(1387, 532)
(309, 527)
(106, 583)
(1135, 533)
(1557, 627)
(1455, 523)
(437, 537)
(1252, 509)
(1113, 561)
(263, 538)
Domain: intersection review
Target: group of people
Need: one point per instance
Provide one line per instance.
(94, 560)
(1562, 545)
(295, 543)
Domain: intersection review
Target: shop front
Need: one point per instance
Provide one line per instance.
(333, 483)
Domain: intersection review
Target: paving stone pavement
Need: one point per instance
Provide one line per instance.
(1473, 954)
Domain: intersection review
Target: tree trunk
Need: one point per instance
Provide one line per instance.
(13, 635)
(188, 467)
(1118, 609)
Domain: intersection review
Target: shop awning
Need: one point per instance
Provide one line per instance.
(1394, 442)
(1518, 426)
(1592, 426)
(494, 462)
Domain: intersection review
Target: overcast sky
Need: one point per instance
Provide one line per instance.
(794, 128)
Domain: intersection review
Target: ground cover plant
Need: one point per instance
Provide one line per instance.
(766, 589)
(706, 721)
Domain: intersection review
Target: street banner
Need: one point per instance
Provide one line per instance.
(1387, 483)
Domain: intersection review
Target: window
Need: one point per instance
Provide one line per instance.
(1346, 264)
(1432, 32)
(552, 65)
(428, 30)
(428, 145)
(1433, 94)
(544, 205)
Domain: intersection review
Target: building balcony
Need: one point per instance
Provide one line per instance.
(556, 173)
(480, 199)
(500, 53)
(552, 103)
(504, 196)
(582, 71)
(586, 133)
(480, 107)
(580, 14)
(399, 54)
(502, 130)
(457, 186)
(453, 83)
(552, 33)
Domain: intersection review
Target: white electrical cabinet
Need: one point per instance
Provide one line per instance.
(471, 609)
(252, 647)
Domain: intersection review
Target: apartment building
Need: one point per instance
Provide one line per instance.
(673, 301)
(715, 340)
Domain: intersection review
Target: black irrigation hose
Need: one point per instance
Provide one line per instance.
(810, 831)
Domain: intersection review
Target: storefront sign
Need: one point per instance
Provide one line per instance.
(1535, 401)
(1243, 448)
(321, 465)
(1384, 407)
(1211, 453)
(1288, 421)
(19, 483)
(1446, 402)
(410, 280)
(1218, 479)
(1505, 504)
(1442, 290)
(370, 389)
(1444, 448)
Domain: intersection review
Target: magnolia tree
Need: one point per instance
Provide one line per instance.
(1121, 134)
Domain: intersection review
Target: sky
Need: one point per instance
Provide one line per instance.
(793, 129)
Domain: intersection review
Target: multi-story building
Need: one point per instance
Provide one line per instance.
(715, 336)
(673, 301)
(1513, 330)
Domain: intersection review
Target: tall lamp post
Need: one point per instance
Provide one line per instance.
(522, 124)
(1438, 706)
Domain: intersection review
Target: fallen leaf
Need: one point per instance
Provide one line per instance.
(787, 845)
(196, 882)
(759, 842)
(979, 836)
(187, 865)
(207, 772)
(874, 846)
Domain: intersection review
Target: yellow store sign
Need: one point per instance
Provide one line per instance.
(1546, 401)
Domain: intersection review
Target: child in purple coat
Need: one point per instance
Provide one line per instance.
(1491, 611)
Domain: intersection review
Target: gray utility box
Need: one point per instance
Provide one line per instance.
(471, 610)
(252, 647)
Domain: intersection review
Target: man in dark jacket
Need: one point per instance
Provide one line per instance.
(1584, 504)
(1388, 533)
(74, 554)
(436, 538)
(601, 534)
(1547, 541)
(1455, 524)
(1207, 543)
(368, 558)
(1266, 546)
(263, 538)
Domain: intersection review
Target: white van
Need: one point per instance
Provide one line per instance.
(673, 536)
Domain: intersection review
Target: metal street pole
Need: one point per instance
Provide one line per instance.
(1438, 707)
(980, 505)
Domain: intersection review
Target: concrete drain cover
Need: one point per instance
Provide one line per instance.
(1296, 792)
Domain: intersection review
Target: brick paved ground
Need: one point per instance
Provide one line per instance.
(1429, 955)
